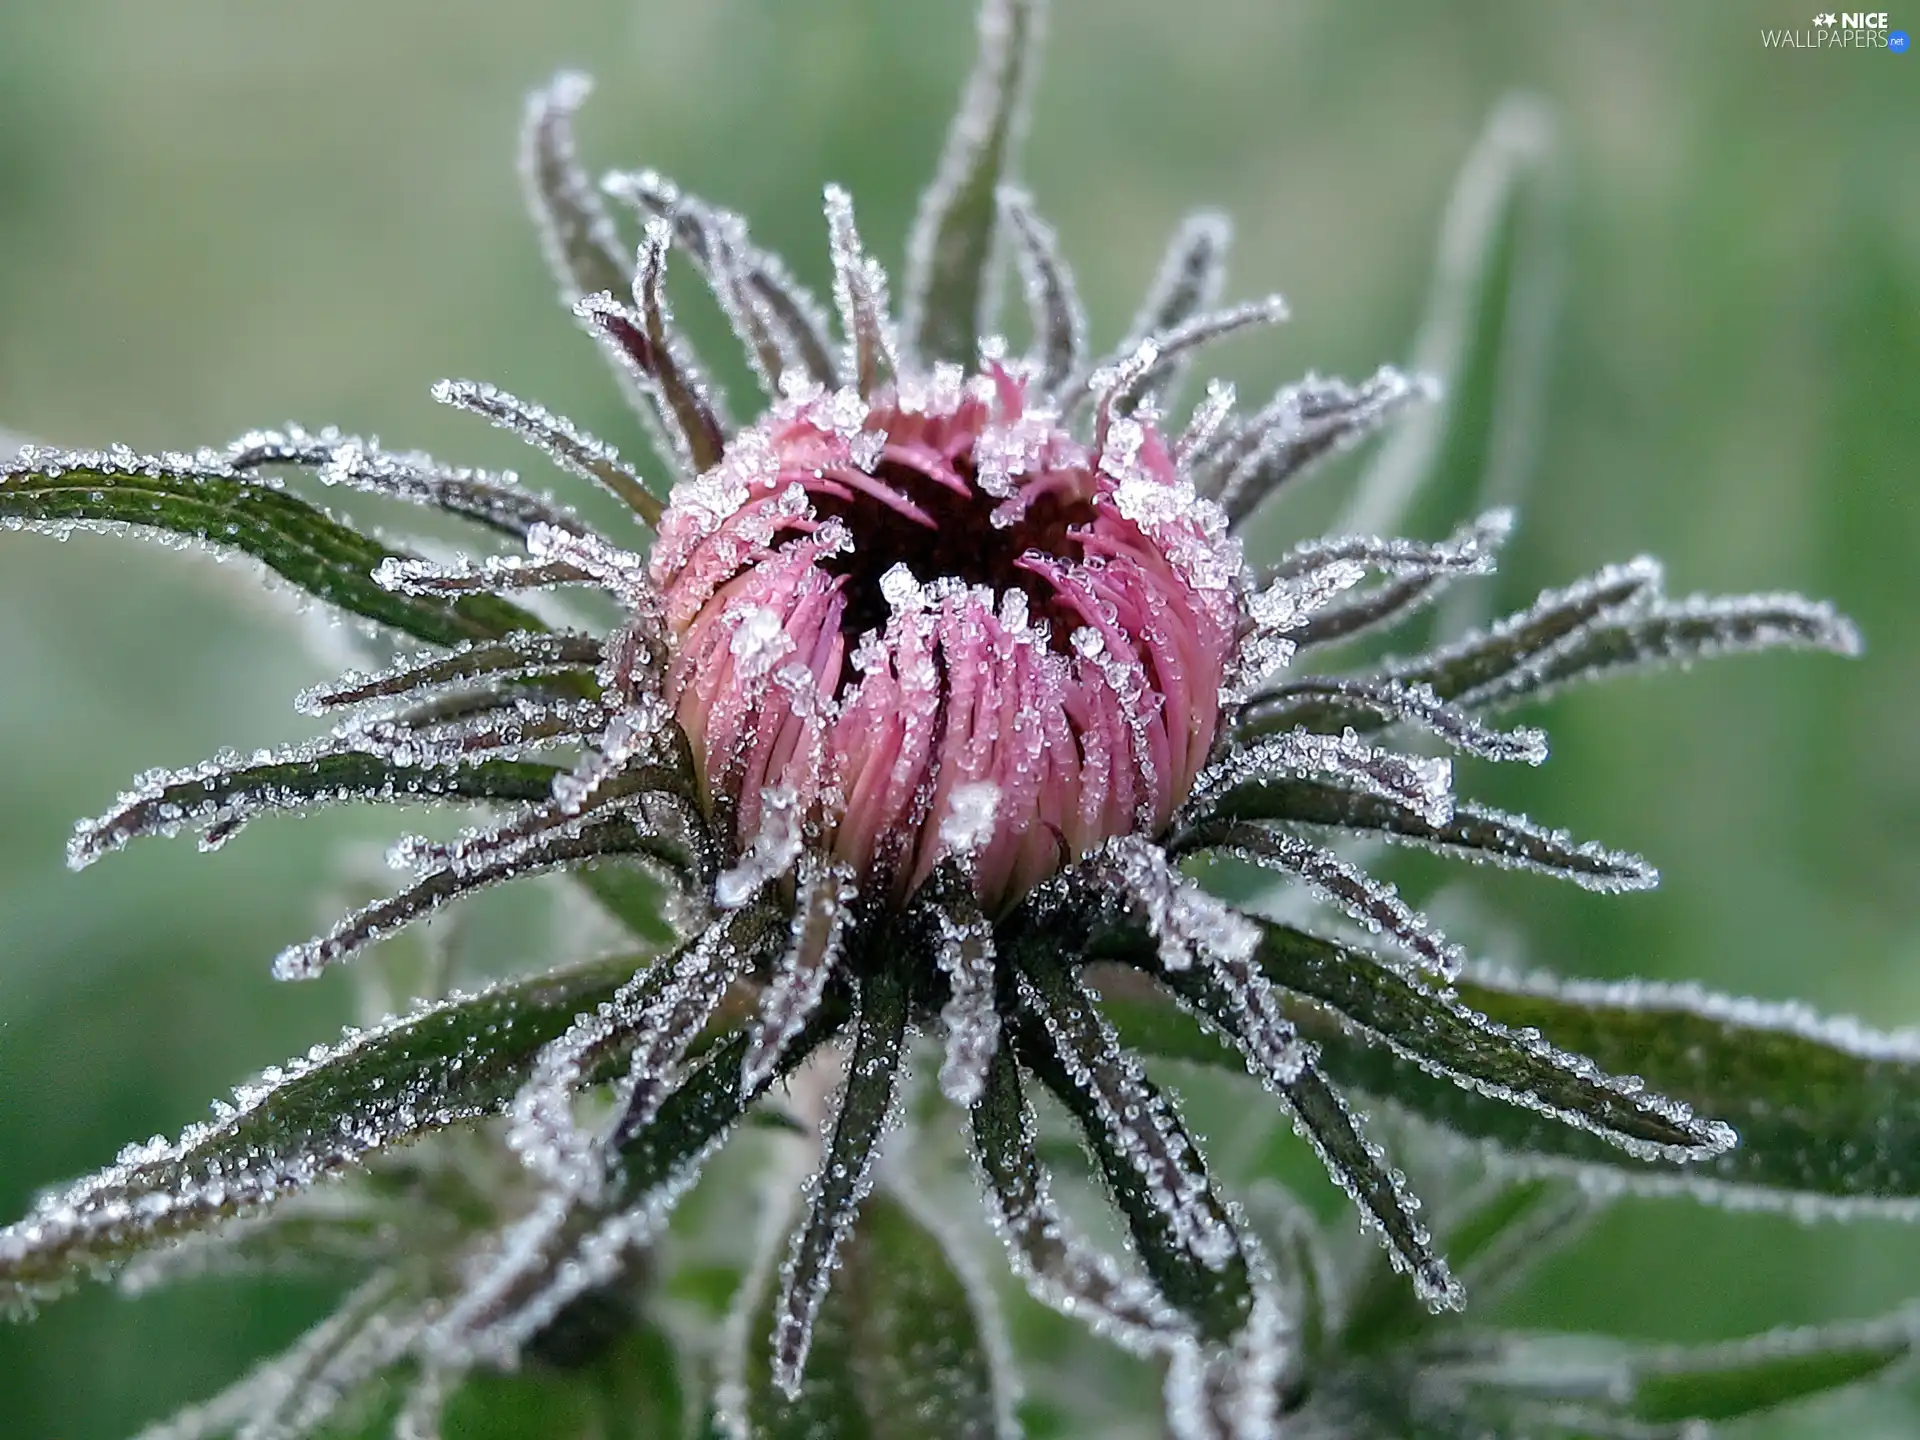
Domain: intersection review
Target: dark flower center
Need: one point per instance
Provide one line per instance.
(952, 537)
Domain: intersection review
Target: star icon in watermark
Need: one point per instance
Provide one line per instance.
(1824, 19)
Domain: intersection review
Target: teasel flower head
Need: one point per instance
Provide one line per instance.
(928, 683)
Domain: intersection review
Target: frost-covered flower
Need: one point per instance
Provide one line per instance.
(931, 625)
(927, 683)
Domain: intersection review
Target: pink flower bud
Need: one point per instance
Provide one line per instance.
(948, 628)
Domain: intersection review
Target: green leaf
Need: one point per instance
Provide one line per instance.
(901, 1347)
(222, 799)
(58, 491)
(1182, 1232)
(1579, 1385)
(451, 1061)
(1826, 1110)
(1444, 1034)
(950, 256)
(1374, 1025)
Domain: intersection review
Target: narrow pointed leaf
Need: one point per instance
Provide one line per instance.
(1184, 1235)
(868, 1101)
(521, 654)
(1679, 632)
(1192, 272)
(180, 495)
(451, 1061)
(219, 798)
(1508, 1224)
(583, 248)
(1359, 1003)
(1497, 666)
(1636, 1389)
(1827, 1112)
(1825, 1109)
(1360, 1168)
(1472, 832)
(1448, 1037)
(902, 1347)
(952, 251)
(1060, 1269)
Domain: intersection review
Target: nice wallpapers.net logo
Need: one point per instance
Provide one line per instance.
(1845, 30)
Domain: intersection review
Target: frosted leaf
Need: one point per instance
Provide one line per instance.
(557, 848)
(822, 911)
(301, 1123)
(1418, 783)
(860, 293)
(203, 499)
(1189, 335)
(1275, 614)
(781, 324)
(698, 421)
(1208, 416)
(582, 247)
(621, 572)
(1500, 663)
(1109, 387)
(1231, 994)
(1187, 924)
(521, 653)
(909, 1341)
(1442, 1035)
(1233, 1391)
(420, 1412)
(1375, 905)
(221, 795)
(1595, 1387)
(1408, 593)
(493, 725)
(951, 268)
(1469, 551)
(491, 498)
(570, 448)
(405, 575)
(774, 848)
(1059, 1268)
(1679, 632)
(1387, 1207)
(652, 1019)
(1303, 423)
(681, 418)
(1053, 301)
(302, 1380)
(635, 732)
(1134, 1119)
(1399, 703)
(326, 1372)
(869, 1103)
(1474, 832)
(559, 1251)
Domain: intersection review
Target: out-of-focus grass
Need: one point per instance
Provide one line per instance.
(216, 214)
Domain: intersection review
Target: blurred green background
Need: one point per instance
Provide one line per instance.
(222, 213)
